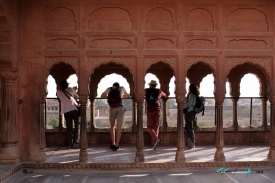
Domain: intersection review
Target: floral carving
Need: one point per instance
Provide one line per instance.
(264, 63)
(212, 61)
(93, 63)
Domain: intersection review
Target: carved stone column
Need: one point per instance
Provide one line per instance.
(235, 120)
(83, 154)
(180, 157)
(140, 139)
(92, 130)
(134, 120)
(42, 130)
(264, 120)
(219, 154)
(271, 153)
(165, 125)
(9, 153)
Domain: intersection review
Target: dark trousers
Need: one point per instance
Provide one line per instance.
(189, 125)
(72, 136)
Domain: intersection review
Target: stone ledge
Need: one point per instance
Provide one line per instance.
(135, 166)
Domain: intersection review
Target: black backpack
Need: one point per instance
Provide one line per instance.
(152, 96)
(114, 98)
(199, 107)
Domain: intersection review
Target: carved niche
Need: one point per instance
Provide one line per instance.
(211, 61)
(201, 43)
(159, 19)
(247, 20)
(264, 63)
(160, 42)
(93, 63)
(116, 43)
(110, 18)
(61, 19)
(200, 19)
(248, 44)
(61, 43)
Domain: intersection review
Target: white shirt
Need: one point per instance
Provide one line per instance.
(121, 90)
(67, 104)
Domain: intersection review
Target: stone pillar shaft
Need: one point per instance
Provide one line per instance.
(219, 155)
(83, 154)
(9, 153)
(235, 119)
(271, 154)
(140, 139)
(180, 157)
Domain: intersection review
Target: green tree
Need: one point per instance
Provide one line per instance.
(54, 122)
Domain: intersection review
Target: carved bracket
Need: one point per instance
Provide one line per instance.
(93, 63)
(211, 61)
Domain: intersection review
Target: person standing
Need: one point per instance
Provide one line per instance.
(115, 95)
(70, 111)
(189, 104)
(152, 96)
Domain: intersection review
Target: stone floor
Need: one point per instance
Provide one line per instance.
(62, 165)
(163, 154)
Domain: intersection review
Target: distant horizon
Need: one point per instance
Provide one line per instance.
(206, 86)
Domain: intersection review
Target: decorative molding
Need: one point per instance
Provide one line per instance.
(93, 63)
(50, 61)
(232, 62)
(171, 61)
(211, 61)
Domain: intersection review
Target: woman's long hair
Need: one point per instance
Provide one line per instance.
(194, 89)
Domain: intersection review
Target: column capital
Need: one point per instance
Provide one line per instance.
(8, 75)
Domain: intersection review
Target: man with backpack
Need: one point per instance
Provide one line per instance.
(114, 97)
(152, 96)
(190, 114)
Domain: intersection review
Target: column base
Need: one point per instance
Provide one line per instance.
(9, 155)
(83, 156)
(219, 155)
(180, 157)
(271, 155)
(139, 157)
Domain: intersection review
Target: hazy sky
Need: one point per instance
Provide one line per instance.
(206, 87)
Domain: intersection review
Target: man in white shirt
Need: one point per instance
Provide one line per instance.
(115, 96)
(70, 111)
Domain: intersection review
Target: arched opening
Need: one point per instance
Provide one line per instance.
(54, 121)
(202, 75)
(249, 91)
(102, 78)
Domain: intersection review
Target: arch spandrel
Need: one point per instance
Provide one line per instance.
(50, 62)
(93, 63)
(171, 61)
(263, 63)
(210, 61)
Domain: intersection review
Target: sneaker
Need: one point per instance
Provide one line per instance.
(190, 144)
(156, 144)
(115, 148)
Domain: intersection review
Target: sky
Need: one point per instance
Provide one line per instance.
(206, 87)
